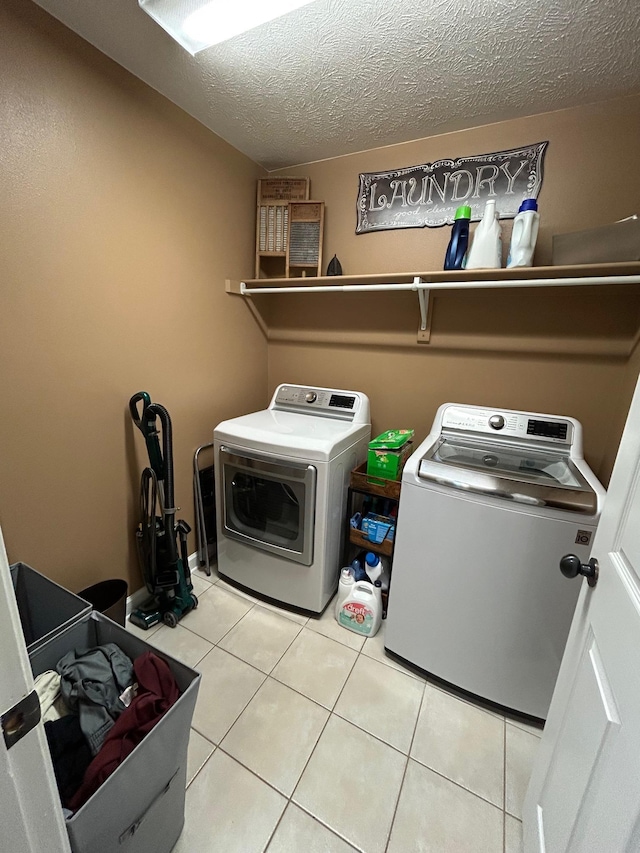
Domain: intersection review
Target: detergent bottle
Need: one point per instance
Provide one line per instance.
(345, 584)
(361, 610)
(359, 572)
(457, 248)
(486, 246)
(374, 566)
(524, 234)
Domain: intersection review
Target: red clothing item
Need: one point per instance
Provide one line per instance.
(157, 692)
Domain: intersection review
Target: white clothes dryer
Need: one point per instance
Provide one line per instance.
(489, 504)
(282, 476)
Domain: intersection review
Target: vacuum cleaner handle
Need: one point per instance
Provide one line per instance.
(151, 412)
(146, 423)
(136, 416)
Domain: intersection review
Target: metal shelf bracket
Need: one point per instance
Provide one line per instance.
(423, 299)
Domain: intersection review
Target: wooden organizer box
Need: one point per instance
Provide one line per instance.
(272, 222)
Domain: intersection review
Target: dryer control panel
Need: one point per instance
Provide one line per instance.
(331, 402)
(504, 422)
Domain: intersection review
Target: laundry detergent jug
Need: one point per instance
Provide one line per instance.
(345, 585)
(361, 610)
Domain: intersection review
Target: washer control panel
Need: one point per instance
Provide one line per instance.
(327, 401)
(525, 425)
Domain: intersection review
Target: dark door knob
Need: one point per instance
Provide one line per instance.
(571, 567)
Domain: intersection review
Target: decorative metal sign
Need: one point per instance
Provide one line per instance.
(429, 194)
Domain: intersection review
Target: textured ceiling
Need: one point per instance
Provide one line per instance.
(340, 76)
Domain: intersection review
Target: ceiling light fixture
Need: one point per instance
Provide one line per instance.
(197, 24)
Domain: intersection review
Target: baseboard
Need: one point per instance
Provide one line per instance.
(136, 598)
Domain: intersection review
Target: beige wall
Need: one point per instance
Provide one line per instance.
(590, 179)
(548, 351)
(121, 217)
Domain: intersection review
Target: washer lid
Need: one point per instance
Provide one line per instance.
(526, 475)
(291, 434)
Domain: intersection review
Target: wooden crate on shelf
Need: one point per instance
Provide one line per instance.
(304, 243)
(357, 537)
(272, 222)
(362, 482)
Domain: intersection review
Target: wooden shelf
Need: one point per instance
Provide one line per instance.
(584, 310)
(374, 485)
(357, 537)
(449, 277)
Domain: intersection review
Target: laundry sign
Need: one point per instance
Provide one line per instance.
(429, 194)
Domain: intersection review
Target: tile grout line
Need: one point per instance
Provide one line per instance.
(217, 645)
(331, 712)
(334, 713)
(253, 773)
(200, 769)
(268, 675)
(244, 708)
(350, 722)
(202, 637)
(275, 678)
(407, 756)
(457, 784)
(257, 603)
(406, 767)
(315, 746)
(438, 772)
(289, 799)
(275, 828)
(504, 790)
(330, 829)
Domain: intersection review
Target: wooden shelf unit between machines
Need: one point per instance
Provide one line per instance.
(361, 484)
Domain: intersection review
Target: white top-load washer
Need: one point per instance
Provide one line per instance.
(282, 476)
(489, 504)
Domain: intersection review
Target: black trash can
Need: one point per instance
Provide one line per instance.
(108, 597)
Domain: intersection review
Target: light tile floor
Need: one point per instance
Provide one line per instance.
(306, 737)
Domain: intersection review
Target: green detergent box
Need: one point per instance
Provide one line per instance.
(388, 453)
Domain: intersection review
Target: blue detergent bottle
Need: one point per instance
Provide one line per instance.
(457, 248)
(359, 572)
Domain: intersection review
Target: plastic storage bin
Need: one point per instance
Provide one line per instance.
(140, 807)
(45, 608)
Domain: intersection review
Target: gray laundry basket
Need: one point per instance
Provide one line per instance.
(45, 608)
(140, 807)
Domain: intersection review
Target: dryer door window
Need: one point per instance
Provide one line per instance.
(268, 504)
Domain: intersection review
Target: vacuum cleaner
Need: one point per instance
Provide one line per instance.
(164, 565)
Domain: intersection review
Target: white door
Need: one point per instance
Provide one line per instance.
(31, 815)
(584, 793)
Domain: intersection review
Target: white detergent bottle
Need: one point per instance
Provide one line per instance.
(486, 247)
(524, 234)
(374, 566)
(345, 585)
(361, 610)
